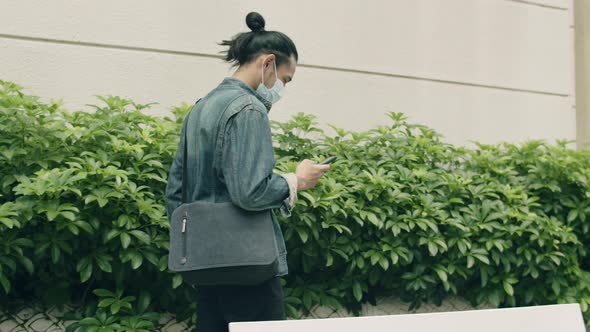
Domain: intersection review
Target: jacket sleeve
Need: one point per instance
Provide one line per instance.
(174, 184)
(248, 162)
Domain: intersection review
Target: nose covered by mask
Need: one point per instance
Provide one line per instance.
(276, 92)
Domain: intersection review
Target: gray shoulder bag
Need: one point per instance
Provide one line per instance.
(220, 243)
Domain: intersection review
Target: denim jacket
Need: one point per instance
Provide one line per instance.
(230, 156)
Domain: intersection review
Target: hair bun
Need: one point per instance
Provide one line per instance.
(255, 21)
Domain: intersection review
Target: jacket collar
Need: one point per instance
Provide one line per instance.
(239, 83)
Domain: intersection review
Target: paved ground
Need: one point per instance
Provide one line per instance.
(33, 318)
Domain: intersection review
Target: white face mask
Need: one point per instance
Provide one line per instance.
(276, 92)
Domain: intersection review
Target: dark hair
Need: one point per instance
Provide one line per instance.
(246, 46)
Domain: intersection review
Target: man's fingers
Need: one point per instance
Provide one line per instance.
(322, 168)
(310, 173)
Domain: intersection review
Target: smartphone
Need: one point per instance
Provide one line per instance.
(329, 160)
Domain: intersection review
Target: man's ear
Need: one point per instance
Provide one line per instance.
(268, 60)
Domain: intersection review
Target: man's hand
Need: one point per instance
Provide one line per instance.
(308, 174)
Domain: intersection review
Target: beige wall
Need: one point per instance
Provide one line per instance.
(484, 70)
(582, 28)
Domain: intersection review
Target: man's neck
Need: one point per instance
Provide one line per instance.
(245, 75)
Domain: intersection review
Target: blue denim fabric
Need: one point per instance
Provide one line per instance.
(230, 156)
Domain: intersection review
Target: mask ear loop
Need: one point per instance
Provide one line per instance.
(262, 76)
(276, 74)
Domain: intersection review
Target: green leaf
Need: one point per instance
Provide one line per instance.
(555, 285)
(142, 236)
(462, 247)
(125, 240)
(151, 257)
(88, 321)
(163, 263)
(86, 273)
(115, 308)
(470, 262)
(176, 281)
(307, 195)
(360, 262)
(573, 214)
(374, 220)
(85, 226)
(128, 299)
(375, 258)
(148, 326)
(494, 298)
(329, 260)
(68, 215)
(73, 229)
(27, 263)
(484, 277)
(106, 302)
(291, 311)
(307, 300)
(104, 265)
(357, 291)
(482, 258)
(136, 260)
(302, 234)
(432, 248)
(5, 283)
(144, 301)
(55, 252)
(7, 222)
(52, 214)
(442, 275)
(102, 201)
(384, 263)
(508, 288)
(103, 292)
(82, 264)
(394, 258)
(113, 233)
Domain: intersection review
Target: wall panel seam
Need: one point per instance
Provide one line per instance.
(319, 67)
(531, 3)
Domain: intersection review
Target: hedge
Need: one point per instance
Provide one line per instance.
(82, 217)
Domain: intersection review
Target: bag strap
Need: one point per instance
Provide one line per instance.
(184, 167)
(218, 134)
(226, 115)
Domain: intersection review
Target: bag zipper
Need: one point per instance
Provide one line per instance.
(183, 231)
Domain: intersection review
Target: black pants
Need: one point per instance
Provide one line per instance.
(217, 306)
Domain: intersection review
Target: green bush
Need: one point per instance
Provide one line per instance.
(406, 214)
(82, 217)
(82, 206)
